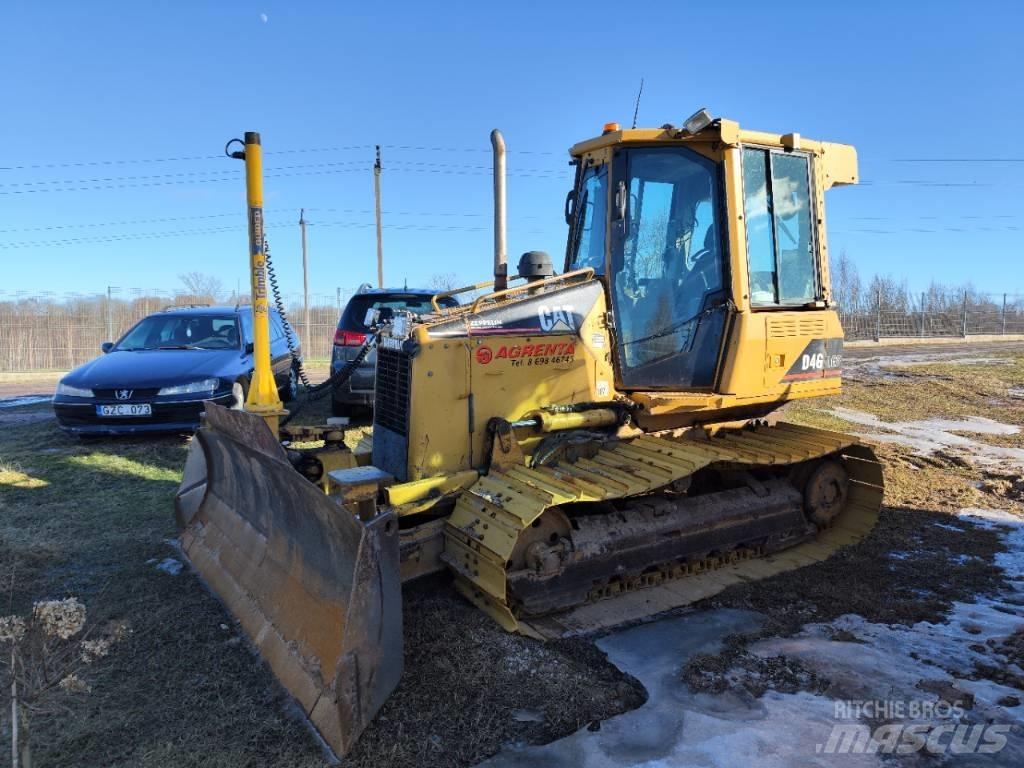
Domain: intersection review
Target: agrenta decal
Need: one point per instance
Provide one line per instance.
(529, 354)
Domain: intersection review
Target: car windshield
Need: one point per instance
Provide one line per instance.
(415, 303)
(182, 332)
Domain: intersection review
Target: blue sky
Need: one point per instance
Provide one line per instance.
(86, 83)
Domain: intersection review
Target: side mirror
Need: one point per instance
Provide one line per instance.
(249, 347)
(106, 346)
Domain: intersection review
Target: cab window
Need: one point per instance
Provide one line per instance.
(590, 220)
(780, 237)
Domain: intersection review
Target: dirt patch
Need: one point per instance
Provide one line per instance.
(920, 558)
(910, 552)
(31, 383)
(29, 414)
(1009, 667)
(469, 687)
(1003, 485)
(718, 673)
(96, 521)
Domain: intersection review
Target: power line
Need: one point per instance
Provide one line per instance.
(132, 236)
(296, 151)
(232, 177)
(241, 214)
(127, 223)
(234, 172)
(956, 160)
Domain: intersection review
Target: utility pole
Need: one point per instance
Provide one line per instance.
(377, 168)
(110, 318)
(307, 339)
(878, 315)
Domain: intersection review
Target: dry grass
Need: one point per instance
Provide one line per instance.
(941, 389)
(922, 494)
(94, 519)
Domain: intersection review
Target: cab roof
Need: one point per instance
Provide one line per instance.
(840, 159)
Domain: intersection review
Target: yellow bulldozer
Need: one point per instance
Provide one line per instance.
(579, 449)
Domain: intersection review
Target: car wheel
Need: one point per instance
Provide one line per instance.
(290, 391)
(240, 389)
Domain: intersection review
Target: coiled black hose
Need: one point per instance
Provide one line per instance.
(289, 334)
(312, 392)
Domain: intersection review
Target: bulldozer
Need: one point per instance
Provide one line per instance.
(580, 449)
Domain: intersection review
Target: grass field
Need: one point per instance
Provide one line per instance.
(94, 520)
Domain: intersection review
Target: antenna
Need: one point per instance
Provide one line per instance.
(377, 168)
(639, 94)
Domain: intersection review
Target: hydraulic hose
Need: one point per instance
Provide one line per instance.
(312, 392)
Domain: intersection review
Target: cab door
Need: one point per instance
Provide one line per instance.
(667, 268)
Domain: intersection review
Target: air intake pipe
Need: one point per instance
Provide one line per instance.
(500, 237)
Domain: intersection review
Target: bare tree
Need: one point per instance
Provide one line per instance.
(201, 285)
(846, 283)
(889, 293)
(444, 281)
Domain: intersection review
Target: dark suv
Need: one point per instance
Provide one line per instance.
(351, 333)
(157, 376)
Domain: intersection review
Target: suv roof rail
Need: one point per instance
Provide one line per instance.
(364, 288)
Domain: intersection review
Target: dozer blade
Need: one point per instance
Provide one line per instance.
(316, 589)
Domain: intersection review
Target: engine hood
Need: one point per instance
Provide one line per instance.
(158, 368)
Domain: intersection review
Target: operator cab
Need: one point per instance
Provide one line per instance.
(648, 213)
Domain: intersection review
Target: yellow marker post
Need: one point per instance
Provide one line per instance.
(263, 399)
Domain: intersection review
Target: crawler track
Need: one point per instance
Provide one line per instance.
(491, 516)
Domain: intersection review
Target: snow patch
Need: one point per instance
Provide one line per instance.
(930, 435)
(14, 402)
(169, 565)
(891, 663)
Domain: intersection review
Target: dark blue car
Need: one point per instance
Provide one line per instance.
(156, 377)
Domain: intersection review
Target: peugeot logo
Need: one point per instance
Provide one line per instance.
(123, 394)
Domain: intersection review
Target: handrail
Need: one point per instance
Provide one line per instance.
(587, 271)
(456, 291)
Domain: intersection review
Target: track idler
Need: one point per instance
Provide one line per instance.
(316, 589)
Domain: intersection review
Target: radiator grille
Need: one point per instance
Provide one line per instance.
(135, 394)
(391, 399)
(791, 327)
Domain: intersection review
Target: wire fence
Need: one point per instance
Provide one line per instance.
(934, 315)
(49, 331)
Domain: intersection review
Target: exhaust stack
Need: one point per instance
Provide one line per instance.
(500, 239)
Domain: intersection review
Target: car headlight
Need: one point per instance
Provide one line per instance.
(67, 389)
(206, 386)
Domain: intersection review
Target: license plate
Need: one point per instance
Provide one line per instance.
(125, 409)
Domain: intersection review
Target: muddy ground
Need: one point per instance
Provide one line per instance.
(94, 520)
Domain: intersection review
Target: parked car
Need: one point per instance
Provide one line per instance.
(156, 377)
(351, 334)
